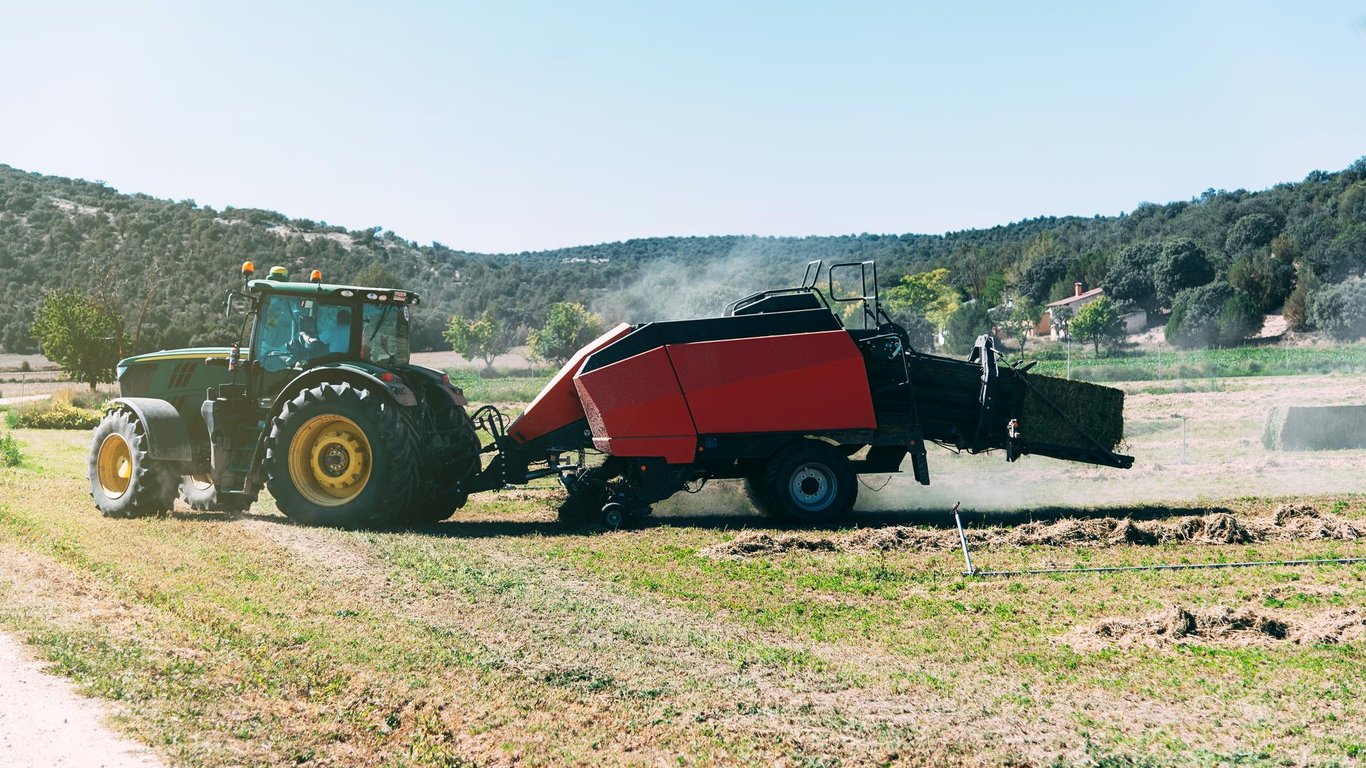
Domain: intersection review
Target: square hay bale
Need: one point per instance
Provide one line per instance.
(1097, 410)
(1323, 428)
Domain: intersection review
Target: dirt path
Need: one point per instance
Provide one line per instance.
(24, 399)
(44, 723)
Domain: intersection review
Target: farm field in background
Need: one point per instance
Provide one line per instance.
(711, 635)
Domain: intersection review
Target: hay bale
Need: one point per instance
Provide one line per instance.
(1323, 428)
(1097, 410)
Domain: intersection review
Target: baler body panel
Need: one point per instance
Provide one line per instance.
(635, 407)
(652, 392)
(803, 382)
(558, 404)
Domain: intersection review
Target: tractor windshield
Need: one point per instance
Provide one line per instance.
(384, 337)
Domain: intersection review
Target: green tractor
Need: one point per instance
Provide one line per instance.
(324, 409)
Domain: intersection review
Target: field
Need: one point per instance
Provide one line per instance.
(711, 636)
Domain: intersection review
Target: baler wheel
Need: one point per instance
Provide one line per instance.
(810, 481)
(341, 455)
(124, 480)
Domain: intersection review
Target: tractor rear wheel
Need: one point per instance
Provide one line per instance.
(457, 458)
(341, 455)
(124, 480)
(201, 495)
(810, 481)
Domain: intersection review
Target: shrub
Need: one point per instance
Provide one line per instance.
(57, 414)
(1211, 314)
(9, 451)
(1340, 310)
(1268, 280)
(1296, 309)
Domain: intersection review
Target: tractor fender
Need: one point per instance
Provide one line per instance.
(167, 438)
(395, 390)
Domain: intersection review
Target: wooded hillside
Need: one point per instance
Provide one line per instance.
(166, 264)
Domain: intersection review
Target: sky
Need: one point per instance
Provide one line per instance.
(510, 126)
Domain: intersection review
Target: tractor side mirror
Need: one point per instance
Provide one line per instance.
(237, 304)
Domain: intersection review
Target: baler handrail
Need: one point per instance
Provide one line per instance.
(733, 307)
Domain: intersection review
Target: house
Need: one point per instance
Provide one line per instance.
(1057, 313)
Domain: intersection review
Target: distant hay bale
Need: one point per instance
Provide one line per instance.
(1323, 428)
(1098, 411)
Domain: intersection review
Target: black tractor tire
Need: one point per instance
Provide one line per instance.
(200, 494)
(433, 500)
(124, 480)
(810, 481)
(341, 455)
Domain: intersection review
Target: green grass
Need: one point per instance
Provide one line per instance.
(1201, 364)
(500, 638)
(517, 386)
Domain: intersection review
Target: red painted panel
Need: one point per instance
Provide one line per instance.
(558, 403)
(791, 383)
(637, 397)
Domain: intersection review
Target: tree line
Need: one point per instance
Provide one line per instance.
(1208, 264)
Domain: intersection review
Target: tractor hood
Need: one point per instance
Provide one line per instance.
(190, 353)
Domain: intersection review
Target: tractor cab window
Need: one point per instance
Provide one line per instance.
(293, 332)
(384, 337)
(279, 325)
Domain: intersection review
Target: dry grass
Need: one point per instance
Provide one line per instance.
(500, 639)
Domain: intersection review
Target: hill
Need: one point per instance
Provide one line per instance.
(167, 263)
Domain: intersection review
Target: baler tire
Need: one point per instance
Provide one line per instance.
(812, 482)
(317, 437)
(124, 481)
(201, 495)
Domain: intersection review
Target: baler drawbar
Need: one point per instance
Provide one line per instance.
(780, 393)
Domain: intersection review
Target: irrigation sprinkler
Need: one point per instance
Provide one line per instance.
(1183, 419)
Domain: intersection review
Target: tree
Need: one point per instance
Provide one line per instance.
(1131, 276)
(1266, 279)
(1183, 264)
(1340, 310)
(376, 275)
(479, 340)
(1098, 322)
(82, 334)
(924, 293)
(1211, 314)
(1296, 309)
(965, 325)
(568, 327)
(1040, 277)
(1024, 315)
(1252, 232)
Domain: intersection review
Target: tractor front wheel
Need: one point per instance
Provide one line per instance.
(810, 481)
(341, 455)
(124, 480)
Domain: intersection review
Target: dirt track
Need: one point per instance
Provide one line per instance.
(45, 723)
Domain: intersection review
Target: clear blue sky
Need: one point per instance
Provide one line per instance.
(500, 126)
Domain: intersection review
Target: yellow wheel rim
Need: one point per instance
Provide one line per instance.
(329, 460)
(114, 466)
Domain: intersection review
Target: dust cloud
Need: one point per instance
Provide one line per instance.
(672, 290)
